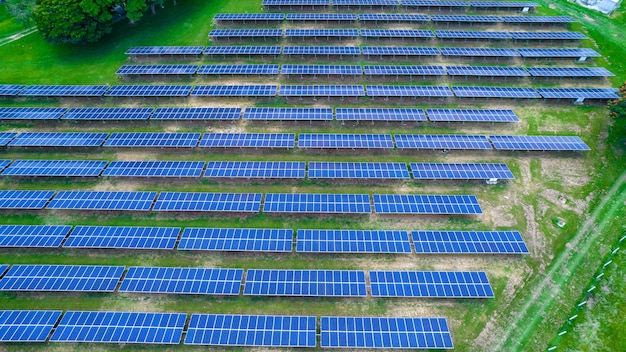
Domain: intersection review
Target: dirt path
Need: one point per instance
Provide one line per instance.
(542, 297)
(17, 36)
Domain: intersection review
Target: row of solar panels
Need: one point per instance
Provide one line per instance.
(368, 70)
(405, 3)
(262, 240)
(288, 140)
(308, 91)
(223, 329)
(257, 282)
(279, 203)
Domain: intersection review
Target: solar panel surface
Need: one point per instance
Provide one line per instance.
(196, 114)
(126, 237)
(321, 17)
(403, 70)
(152, 139)
(296, 2)
(322, 91)
(395, 17)
(108, 114)
(321, 70)
(437, 284)
(441, 141)
(437, 171)
(480, 52)
(466, 19)
(434, 3)
(248, 140)
(398, 50)
(547, 35)
(537, 19)
(197, 281)
(165, 50)
(59, 139)
(576, 93)
(289, 114)
(249, 17)
(557, 52)
(154, 169)
(4, 163)
(316, 203)
(242, 50)
(409, 91)
(503, 4)
(31, 113)
(61, 278)
(382, 114)
(365, 2)
(495, 92)
(102, 200)
(22, 199)
(426, 204)
(445, 34)
(149, 91)
(236, 240)
(66, 168)
(397, 33)
(254, 69)
(335, 33)
(64, 91)
(447, 242)
(157, 70)
(10, 89)
(569, 72)
(218, 202)
(345, 141)
(305, 283)
(353, 241)
(27, 325)
(6, 137)
(321, 50)
(471, 115)
(249, 33)
(256, 169)
(235, 91)
(489, 71)
(358, 170)
(33, 236)
(556, 143)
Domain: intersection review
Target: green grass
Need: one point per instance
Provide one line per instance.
(8, 25)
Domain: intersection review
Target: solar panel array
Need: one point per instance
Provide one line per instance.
(31, 113)
(33, 236)
(248, 140)
(495, 92)
(288, 114)
(349, 141)
(154, 169)
(61, 278)
(353, 241)
(152, 139)
(102, 200)
(236, 240)
(471, 115)
(63, 91)
(205, 281)
(242, 50)
(27, 325)
(108, 114)
(123, 237)
(249, 17)
(196, 114)
(157, 70)
(578, 93)
(497, 242)
(59, 139)
(245, 33)
(260, 69)
(437, 171)
(357, 170)
(547, 35)
(256, 169)
(235, 91)
(322, 50)
(490, 71)
(149, 91)
(22, 199)
(569, 72)
(165, 50)
(321, 70)
(215, 202)
(299, 283)
(555, 143)
(11, 89)
(439, 284)
(426, 204)
(441, 141)
(83, 168)
(322, 91)
(321, 17)
(379, 114)
(6, 137)
(409, 91)
(317, 203)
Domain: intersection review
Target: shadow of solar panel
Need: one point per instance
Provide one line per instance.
(322, 91)
(439, 284)
(489, 71)
(444, 34)
(31, 113)
(409, 91)
(157, 70)
(6, 137)
(466, 19)
(154, 169)
(219, 202)
(426, 204)
(242, 50)
(321, 70)
(249, 17)
(248, 140)
(367, 332)
(547, 35)
(474, 242)
(569, 72)
(19, 199)
(256, 169)
(64, 91)
(33, 236)
(495, 92)
(437, 171)
(403, 70)
(379, 114)
(101, 200)
(358, 170)
(503, 4)
(248, 33)
(480, 52)
(251, 330)
(10, 89)
(120, 327)
(165, 50)
(148, 91)
(238, 70)
(322, 50)
(289, 114)
(123, 237)
(152, 139)
(27, 325)
(353, 241)
(396, 33)
(540, 143)
(237, 240)
(557, 52)
(337, 33)
(59, 139)
(302, 283)
(296, 2)
(66, 168)
(537, 19)
(578, 93)
(235, 91)
(451, 115)
(198, 281)
(317, 203)
(393, 17)
(61, 278)
(108, 114)
(4, 163)
(321, 17)
(345, 141)
(196, 114)
(442, 141)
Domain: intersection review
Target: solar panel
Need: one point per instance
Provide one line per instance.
(489, 71)
(154, 169)
(556, 143)
(219, 202)
(197, 281)
(296, 2)
(317, 203)
(148, 91)
(466, 19)
(578, 93)
(403, 70)
(433, 3)
(157, 70)
(153, 139)
(437, 171)
(10, 89)
(21, 199)
(480, 52)
(379, 114)
(558, 52)
(409, 91)
(438, 284)
(242, 50)
(82, 168)
(196, 114)
(27, 325)
(249, 17)
(321, 17)
(321, 70)
(165, 50)
(537, 19)
(120, 327)
(248, 140)
(367, 332)
(236, 240)
(61, 278)
(345, 141)
(442, 34)
(328, 33)
(245, 33)
(59, 139)
(33, 236)
(396, 33)
(102, 200)
(305, 283)
(108, 114)
(357, 170)
(441, 141)
(64, 91)
(353, 241)
(235, 91)
(471, 115)
(426, 204)
(289, 114)
(392, 17)
(365, 3)
(447, 242)
(251, 330)
(322, 50)
(31, 113)
(569, 72)
(6, 137)
(495, 92)
(502, 4)
(256, 169)
(322, 91)
(4, 164)
(125, 237)
(547, 35)
(238, 70)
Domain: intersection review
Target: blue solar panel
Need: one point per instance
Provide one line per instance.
(321, 17)
(11, 199)
(31, 113)
(392, 17)
(322, 50)
(322, 91)
(538, 19)
(249, 17)
(4, 163)
(357, 170)
(399, 51)
(256, 169)
(40, 236)
(198, 281)
(80, 278)
(242, 50)
(157, 70)
(569, 72)
(489, 71)
(120, 327)
(396, 33)
(64, 91)
(235, 91)
(444, 34)
(480, 52)
(578, 93)
(497, 242)
(10, 89)
(433, 3)
(59, 139)
(436, 171)
(502, 4)
(365, 3)
(547, 35)
(6, 137)
(248, 140)
(321, 70)
(251, 330)
(260, 69)
(558, 52)
(317, 203)
(154, 169)
(108, 114)
(27, 325)
(441, 141)
(471, 115)
(245, 33)
(353, 241)
(148, 91)
(345, 141)
(556, 143)
(439, 284)
(196, 114)
(317, 33)
(366, 332)
(303, 283)
(102, 200)
(296, 2)
(289, 114)
(466, 19)
(379, 114)
(152, 139)
(164, 50)
(409, 91)
(495, 92)
(83, 168)
(220, 202)
(403, 70)
(236, 240)
(426, 204)
(123, 237)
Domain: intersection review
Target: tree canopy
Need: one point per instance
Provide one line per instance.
(617, 108)
(22, 10)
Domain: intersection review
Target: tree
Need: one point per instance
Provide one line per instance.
(617, 108)
(153, 4)
(134, 9)
(22, 10)
(66, 21)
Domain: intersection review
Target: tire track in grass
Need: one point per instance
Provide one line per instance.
(17, 36)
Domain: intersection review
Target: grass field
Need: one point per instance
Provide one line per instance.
(529, 204)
